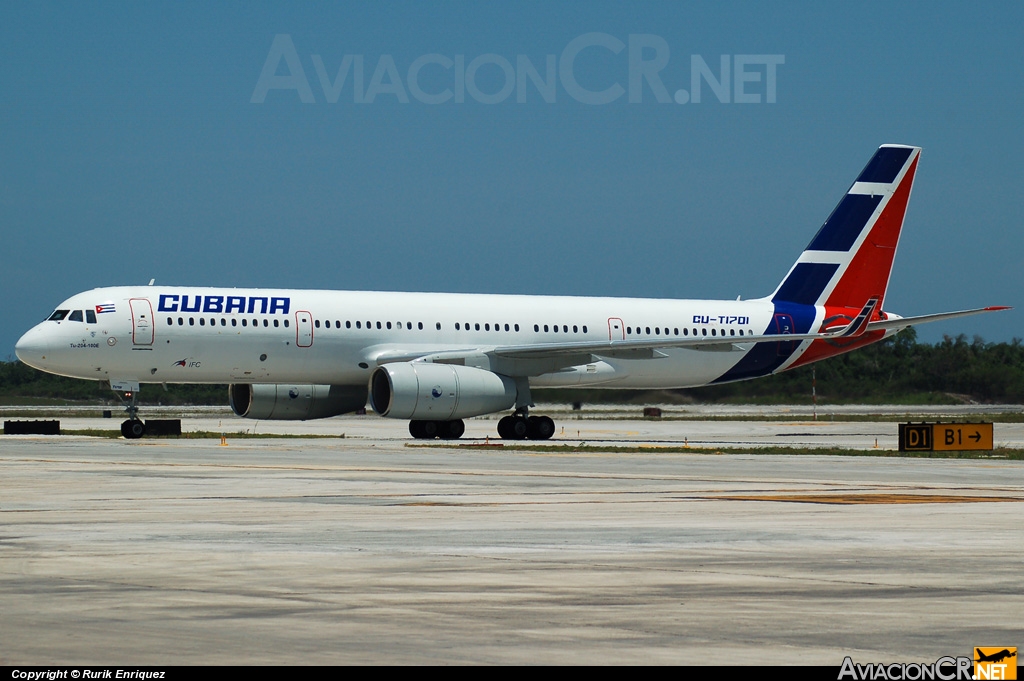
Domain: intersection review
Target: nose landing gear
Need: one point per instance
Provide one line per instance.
(133, 428)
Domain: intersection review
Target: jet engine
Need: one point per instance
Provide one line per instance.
(294, 402)
(438, 392)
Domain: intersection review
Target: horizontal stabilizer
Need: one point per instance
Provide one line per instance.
(904, 322)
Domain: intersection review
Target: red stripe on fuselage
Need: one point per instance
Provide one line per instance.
(823, 349)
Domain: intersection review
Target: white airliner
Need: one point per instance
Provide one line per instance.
(437, 358)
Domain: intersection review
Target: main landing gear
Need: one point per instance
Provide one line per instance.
(519, 426)
(428, 430)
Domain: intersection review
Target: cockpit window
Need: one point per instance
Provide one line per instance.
(58, 315)
(75, 316)
(90, 316)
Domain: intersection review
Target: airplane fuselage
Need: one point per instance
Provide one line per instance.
(204, 335)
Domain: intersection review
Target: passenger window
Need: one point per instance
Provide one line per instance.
(389, 325)
(555, 328)
(476, 326)
(266, 323)
(348, 325)
(234, 322)
(359, 325)
(516, 327)
(584, 329)
(245, 322)
(191, 321)
(277, 323)
(536, 328)
(224, 322)
(170, 322)
(456, 326)
(545, 328)
(487, 327)
(202, 321)
(378, 325)
(76, 316)
(181, 322)
(317, 323)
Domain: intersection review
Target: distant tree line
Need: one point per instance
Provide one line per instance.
(899, 370)
(21, 382)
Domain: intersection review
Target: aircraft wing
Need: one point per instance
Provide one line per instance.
(544, 357)
(558, 355)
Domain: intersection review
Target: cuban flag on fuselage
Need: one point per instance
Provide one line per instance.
(105, 307)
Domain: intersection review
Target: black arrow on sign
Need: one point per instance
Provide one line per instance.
(976, 437)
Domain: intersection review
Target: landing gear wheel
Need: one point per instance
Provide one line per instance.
(519, 428)
(133, 429)
(454, 429)
(428, 430)
(505, 427)
(540, 428)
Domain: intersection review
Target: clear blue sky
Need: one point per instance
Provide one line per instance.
(131, 149)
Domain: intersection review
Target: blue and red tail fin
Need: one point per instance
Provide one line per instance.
(849, 260)
(838, 283)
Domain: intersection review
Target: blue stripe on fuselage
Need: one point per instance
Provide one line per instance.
(766, 357)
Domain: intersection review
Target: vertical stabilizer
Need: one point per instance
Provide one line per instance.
(849, 260)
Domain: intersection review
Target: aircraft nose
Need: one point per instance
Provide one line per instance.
(33, 347)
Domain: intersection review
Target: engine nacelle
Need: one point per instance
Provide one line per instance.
(438, 392)
(294, 402)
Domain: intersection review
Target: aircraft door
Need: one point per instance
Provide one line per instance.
(303, 329)
(142, 321)
(784, 325)
(616, 331)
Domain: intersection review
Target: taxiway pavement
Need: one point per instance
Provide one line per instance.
(366, 550)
